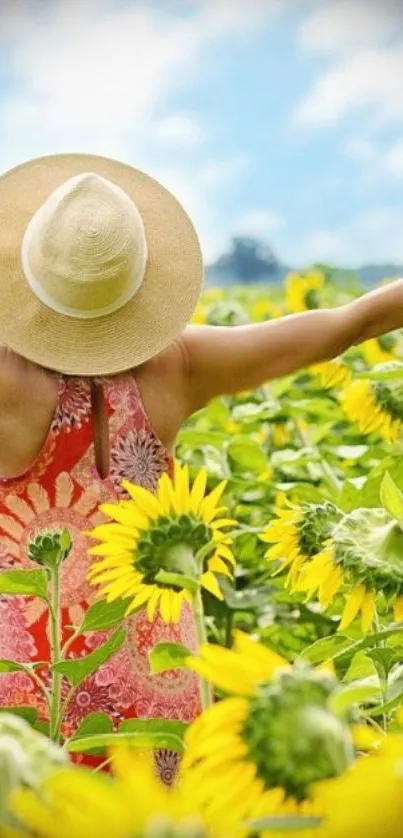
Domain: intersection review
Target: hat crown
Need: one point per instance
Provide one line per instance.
(84, 252)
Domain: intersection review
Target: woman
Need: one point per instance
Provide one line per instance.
(100, 273)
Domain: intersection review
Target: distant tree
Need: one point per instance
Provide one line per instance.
(248, 261)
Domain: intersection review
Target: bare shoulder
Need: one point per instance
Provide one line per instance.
(20, 378)
(163, 385)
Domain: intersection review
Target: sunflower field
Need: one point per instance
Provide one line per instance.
(282, 530)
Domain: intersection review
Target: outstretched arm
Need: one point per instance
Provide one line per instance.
(221, 360)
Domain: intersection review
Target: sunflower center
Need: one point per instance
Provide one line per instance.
(387, 342)
(171, 544)
(389, 397)
(369, 545)
(312, 299)
(314, 527)
(293, 738)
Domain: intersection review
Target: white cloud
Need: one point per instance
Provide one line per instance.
(358, 149)
(341, 25)
(321, 246)
(92, 75)
(180, 129)
(393, 160)
(259, 222)
(218, 172)
(366, 80)
(371, 237)
(236, 16)
(96, 76)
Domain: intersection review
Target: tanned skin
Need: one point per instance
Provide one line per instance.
(204, 362)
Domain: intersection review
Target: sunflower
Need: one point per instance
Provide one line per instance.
(243, 753)
(375, 406)
(368, 799)
(379, 350)
(332, 373)
(264, 310)
(362, 559)
(302, 290)
(76, 802)
(159, 549)
(298, 533)
(281, 434)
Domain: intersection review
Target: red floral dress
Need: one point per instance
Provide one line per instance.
(62, 489)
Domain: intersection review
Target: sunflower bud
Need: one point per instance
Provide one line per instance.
(315, 526)
(50, 549)
(294, 738)
(26, 757)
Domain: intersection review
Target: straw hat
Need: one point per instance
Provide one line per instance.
(100, 267)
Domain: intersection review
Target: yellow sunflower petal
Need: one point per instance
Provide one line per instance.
(218, 566)
(209, 582)
(147, 501)
(353, 606)
(182, 487)
(198, 491)
(368, 611)
(153, 601)
(398, 610)
(208, 507)
(165, 605)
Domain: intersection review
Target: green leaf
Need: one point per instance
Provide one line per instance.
(285, 824)
(361, 666)
(177, 580)
(167, 656)
(249, 599)
(391, 498)
(79, 669)
(93, 725)
(135, 733)
(24, 583)
(387, 706)
(197, 439)
(384, 660)
(218, 413)
(351, 452)
(29, 714)
(327, 648)
(247, 454)
(251, 412)
(391, 370)
(12, 666)
(354, 693)
(103, 615)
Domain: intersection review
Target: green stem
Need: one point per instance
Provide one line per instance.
(55, 641)
(229, 624)
(201, 635)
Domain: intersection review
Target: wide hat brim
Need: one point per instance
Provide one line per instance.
(142, 328)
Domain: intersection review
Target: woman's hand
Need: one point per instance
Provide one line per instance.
(221, 360)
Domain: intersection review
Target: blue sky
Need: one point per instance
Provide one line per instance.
(276, 118)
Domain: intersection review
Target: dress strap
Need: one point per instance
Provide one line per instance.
(100, 427)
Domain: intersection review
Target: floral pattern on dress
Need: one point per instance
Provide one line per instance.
(167, 764)
(64, 490)
(89, 697)
(138, 456)
(23, 520)
(173, 694)
(74, 404)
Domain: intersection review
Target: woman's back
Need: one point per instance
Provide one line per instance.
(61, 488)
